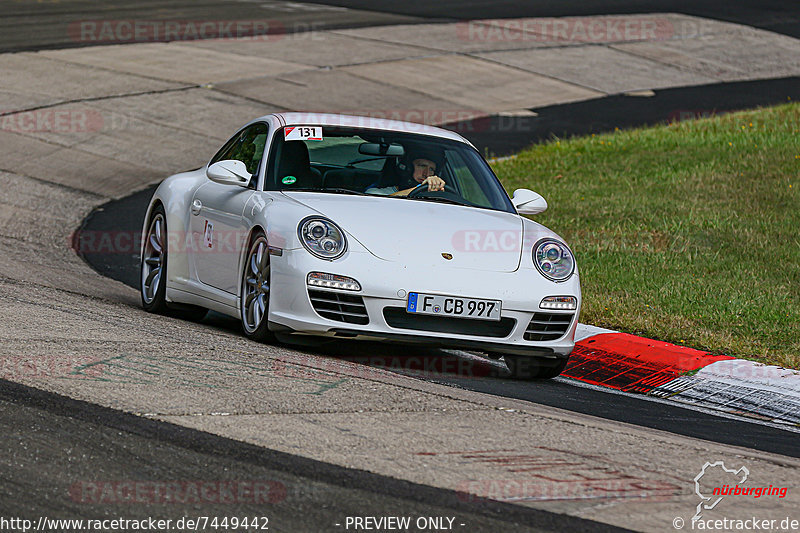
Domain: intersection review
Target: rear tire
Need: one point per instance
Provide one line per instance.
(153, 280)
(527, 367)
(153, 268)
(255, 290)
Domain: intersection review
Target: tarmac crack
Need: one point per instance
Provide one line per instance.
(677, 66)
(474, 55)
(315, 412)
(435, 51)
(98, 99)
(53, 183)
(27, 284)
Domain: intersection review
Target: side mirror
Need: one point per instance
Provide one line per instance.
(528, 202)
(229, 172)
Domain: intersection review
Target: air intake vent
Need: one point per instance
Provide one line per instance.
(548, 326)
(340, 307)
(397, 317)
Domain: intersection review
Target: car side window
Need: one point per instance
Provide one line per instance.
(246, 146)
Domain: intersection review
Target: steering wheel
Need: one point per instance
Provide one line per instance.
(422, 189)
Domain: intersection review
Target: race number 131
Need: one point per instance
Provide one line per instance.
(302, 133)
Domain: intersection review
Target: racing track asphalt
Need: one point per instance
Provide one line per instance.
(780, 16)
(40, 25)
(45, 479)
(46, 25)
(499, 136)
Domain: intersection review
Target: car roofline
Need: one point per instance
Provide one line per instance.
(357, 121)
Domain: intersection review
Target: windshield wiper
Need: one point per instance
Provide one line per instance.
(334, 190)
(443, 200)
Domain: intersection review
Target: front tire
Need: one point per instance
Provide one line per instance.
(255, 290)
(526, 367)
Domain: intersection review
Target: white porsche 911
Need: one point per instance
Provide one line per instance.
(360, 228)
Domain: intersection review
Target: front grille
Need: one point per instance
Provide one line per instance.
(397, 317)
(337, 306)
(548, 326)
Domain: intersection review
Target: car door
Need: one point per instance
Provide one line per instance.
(217, 223)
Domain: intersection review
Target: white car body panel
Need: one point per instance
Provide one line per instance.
(390, 230)
(395, 246)
(222, 206)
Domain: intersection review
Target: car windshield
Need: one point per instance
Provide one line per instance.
(340, 160)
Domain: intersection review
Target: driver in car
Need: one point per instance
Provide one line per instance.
(421, 170)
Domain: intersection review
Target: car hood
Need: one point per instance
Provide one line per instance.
(424, 233)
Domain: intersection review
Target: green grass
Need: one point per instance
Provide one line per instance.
(687, 233)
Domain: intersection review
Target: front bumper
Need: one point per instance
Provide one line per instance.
(385, 286)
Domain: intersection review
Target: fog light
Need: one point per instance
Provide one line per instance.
(332, 281)
(559, 302)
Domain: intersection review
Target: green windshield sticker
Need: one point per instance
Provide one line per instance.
(288, 180)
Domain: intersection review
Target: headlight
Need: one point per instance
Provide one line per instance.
(553, 259)
(322, 237)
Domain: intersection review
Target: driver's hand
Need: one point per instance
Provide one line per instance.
(435, 183)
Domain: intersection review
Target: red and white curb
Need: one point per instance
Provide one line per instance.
(634, 364)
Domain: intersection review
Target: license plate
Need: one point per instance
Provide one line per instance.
(453, 306)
